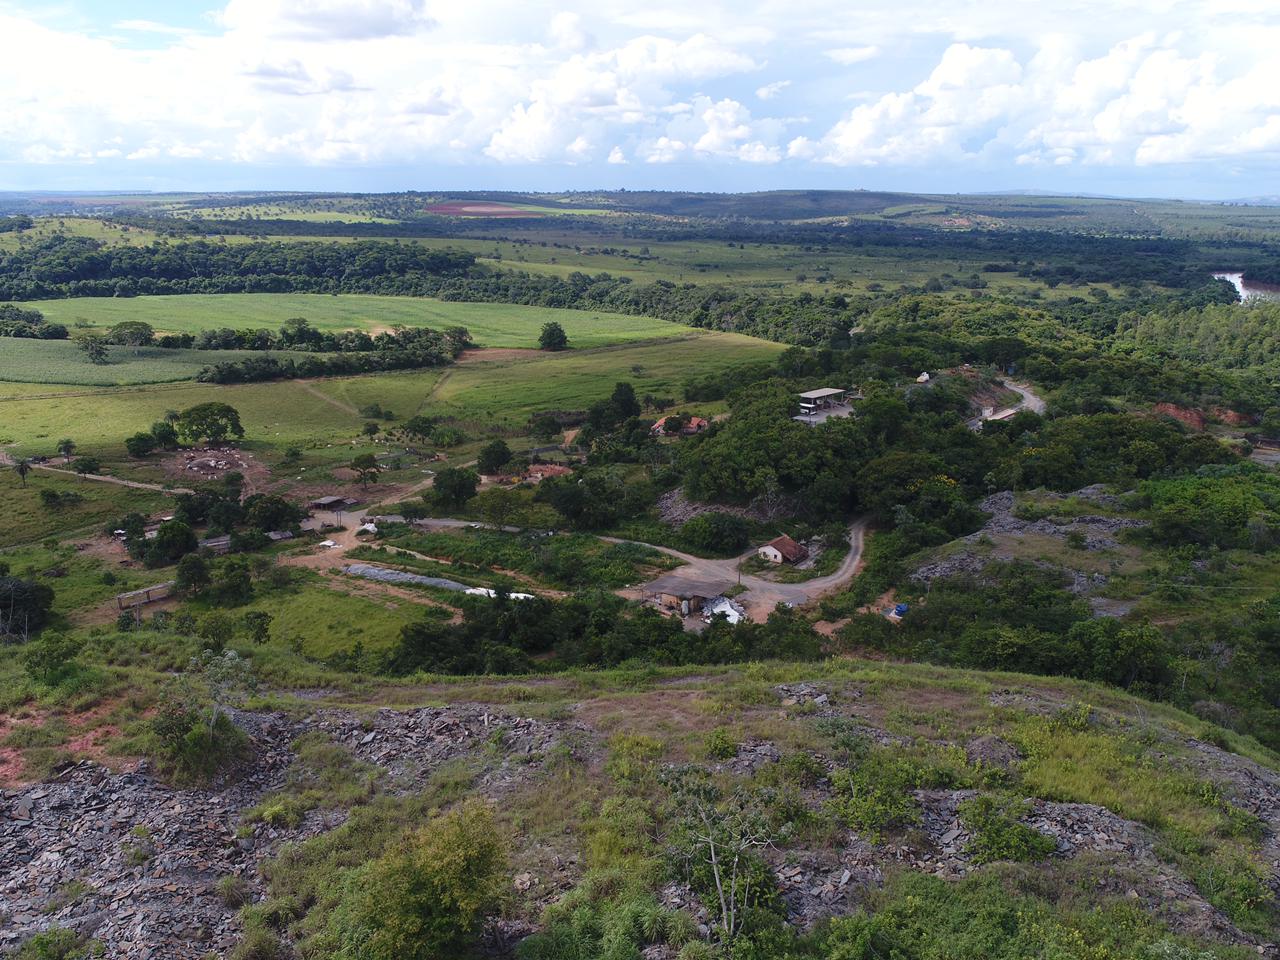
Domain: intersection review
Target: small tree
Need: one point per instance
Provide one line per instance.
(493, 457)
(552, 337)
(545, 427)
(366, 468)
(94, 350)
(165, 434)
(85, 466)
(50, 658)
(192, 574)
(140, 445)
(22, 466)
(66, 447)
(453, 487)
(717, 835)
(132, 333)
(500, 507)
(257, 624)
(370, 429)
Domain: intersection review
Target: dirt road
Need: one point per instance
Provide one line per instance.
(1030, 401)
(761, 595)
(6, 460)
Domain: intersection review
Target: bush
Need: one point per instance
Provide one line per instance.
(258, 944)
(234, 891)
(58, 943)
(998, 835)
(424, 900)
(190, 745)
(50, 659)
(721, 745)
(717, 532)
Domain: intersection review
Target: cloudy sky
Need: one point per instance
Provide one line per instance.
(1133, 97)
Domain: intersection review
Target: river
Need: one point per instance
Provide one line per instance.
(1250, 291)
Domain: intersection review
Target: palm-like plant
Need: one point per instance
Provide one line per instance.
(66, 447)
(22, 467)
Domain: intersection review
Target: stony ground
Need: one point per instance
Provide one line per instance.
(136, 864)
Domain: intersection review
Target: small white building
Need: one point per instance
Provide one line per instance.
(782, 550)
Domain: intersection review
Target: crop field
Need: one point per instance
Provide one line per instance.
(62, 362)
(491, 324)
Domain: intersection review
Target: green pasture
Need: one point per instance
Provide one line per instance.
(27, 519)
(62, 362)
(491, 324)
(483, 394)
(110, 233)
(277, 413)
(504, 393)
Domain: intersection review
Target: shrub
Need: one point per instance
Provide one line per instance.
(50, 658)
(193, 747)
(998, 835)
(425, 899)
(721, 745)
(717, 532)
(234, 891)
(258, 944)
(58, 943)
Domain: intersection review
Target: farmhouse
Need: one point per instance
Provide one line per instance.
(275, 536)
(687, 429)
(782, 550)
(679, 592)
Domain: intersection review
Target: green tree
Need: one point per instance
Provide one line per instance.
(453, 487)
(86, 465)
(545, 427)
(365, 467)
(140, 445)
(552, 337)
(257, 624)
(22, 467)
(165, 434)
(66, 447)
(192, 574)
(501, 508)
(493, 457)
(24, 606)
(132, 333)
(50, 658)
(212, 421)
(94, 350)
(172, 540)
(426, 898)
(370, 428)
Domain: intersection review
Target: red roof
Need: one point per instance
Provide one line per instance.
(543, 470)
(790, 550)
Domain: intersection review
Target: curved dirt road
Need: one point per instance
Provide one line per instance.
(761, 595)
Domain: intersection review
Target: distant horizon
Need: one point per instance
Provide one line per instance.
(1128, 98)
(1266, 200)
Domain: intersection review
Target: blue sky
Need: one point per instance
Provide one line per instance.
(1133, 97)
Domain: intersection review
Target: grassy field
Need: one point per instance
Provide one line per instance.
(491, 324)
(109, 233)
(99, 420)
(28, 520)
(62, 362)
(324, 621)
(483, 394)
(506, 392)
